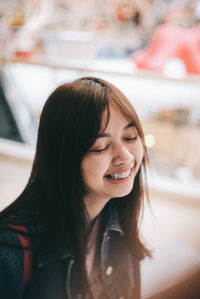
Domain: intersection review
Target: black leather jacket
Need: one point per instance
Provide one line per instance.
(53, 278)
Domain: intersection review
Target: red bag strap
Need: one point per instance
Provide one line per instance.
(25, 242)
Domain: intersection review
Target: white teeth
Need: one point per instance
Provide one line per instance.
(118, 176)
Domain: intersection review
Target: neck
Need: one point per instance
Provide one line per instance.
(94, 206)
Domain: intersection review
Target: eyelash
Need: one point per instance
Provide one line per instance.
(131, 139)
(108, 146)
(101, 150)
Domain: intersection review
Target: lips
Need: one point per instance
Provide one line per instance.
(120, 175)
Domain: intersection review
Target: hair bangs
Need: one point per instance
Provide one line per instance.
(120, 101)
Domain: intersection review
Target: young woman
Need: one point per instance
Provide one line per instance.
(82, 202)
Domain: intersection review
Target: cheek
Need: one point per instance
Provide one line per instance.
(139, 152)
(85, 169)
(93, 167)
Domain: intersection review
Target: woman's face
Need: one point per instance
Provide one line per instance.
(111, 164)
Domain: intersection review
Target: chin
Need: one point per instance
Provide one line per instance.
(122, 193)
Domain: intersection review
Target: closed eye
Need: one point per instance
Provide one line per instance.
(100, 150)
(130, 138)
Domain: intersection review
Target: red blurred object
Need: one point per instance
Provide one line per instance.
(23, 54)
(171, 41)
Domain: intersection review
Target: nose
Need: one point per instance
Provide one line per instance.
(122, 155)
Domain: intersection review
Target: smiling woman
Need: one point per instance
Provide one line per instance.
(82, 202)
(111, 164)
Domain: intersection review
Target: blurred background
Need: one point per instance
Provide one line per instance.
(150, 49)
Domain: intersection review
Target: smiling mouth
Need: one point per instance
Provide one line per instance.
(119, 176)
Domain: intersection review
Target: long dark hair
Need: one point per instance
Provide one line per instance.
(69, 124)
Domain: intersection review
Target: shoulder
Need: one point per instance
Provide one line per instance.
(11, 266)
(11, 256)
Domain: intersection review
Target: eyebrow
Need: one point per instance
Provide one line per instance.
(130, 125)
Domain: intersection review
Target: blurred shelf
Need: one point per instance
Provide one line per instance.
(95, 65)
(165, 187)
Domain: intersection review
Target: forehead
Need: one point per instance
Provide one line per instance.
(115, 116)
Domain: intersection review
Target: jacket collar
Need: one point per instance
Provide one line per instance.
(113, 218)
(49, 256)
